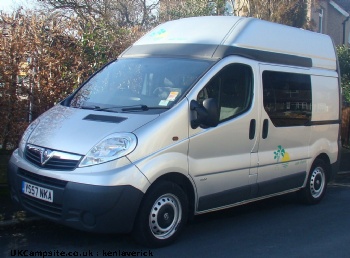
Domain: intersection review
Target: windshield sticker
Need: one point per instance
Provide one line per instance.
(172, 96)
(163, 102)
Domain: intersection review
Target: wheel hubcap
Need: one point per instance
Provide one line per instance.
(317, 182)
(165, 216)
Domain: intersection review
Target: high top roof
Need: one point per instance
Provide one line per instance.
(219, 36)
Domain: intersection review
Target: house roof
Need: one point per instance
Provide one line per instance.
(345, 4)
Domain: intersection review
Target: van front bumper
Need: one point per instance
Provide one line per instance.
(104, 209)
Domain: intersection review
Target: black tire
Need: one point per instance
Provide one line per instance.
(162, 215)
(316, 185)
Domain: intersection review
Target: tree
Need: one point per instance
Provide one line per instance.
(112, 13)
(344, 64)
(11, 105)
(40, 66)
(288, 12)
(175, 9)
(170, 10)
(104, 28)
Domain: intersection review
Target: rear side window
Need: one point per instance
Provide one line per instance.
(287, 98)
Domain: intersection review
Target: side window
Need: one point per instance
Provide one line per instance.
(232, 87)
(287, 98)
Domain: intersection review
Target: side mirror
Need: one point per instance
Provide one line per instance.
(207, 114)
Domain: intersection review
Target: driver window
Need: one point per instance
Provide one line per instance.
(232, 88)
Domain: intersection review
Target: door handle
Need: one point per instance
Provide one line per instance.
(252, 128)
(265, 130)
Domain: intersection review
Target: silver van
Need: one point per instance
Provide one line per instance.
(198, 115)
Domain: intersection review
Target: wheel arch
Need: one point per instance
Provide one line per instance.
(185, 184)
(325, 158)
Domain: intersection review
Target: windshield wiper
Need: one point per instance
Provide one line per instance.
(137, 107)
(141, 108)
(123, 108)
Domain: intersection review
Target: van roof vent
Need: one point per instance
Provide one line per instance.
(107, 119)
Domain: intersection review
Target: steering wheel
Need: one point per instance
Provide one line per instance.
(162, 92)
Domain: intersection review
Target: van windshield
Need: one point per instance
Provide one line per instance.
(139, 84)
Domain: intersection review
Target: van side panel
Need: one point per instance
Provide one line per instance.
(325, 118)
(277, 38)
(220, 158)
(325, 98)
(165, 142)
(284, 150)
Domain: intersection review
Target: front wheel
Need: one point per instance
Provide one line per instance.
(316, 185)
(162, 215)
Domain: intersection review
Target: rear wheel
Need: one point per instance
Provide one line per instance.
(316, 185)
(162, 215)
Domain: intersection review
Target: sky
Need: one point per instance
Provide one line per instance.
(10, 5)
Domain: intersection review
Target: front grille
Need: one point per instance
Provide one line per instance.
(50, 159)
(44, 208)
(47, 209)
(42, 179)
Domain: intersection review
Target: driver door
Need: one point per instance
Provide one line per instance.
(221, 157)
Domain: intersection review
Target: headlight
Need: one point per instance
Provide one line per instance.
(25, 136)
(112, 147)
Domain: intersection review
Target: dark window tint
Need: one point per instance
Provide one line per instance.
(287, 98)
(232, 88)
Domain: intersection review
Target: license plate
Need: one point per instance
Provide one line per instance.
(37, 192)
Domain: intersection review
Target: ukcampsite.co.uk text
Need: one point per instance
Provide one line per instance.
(89, 253)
